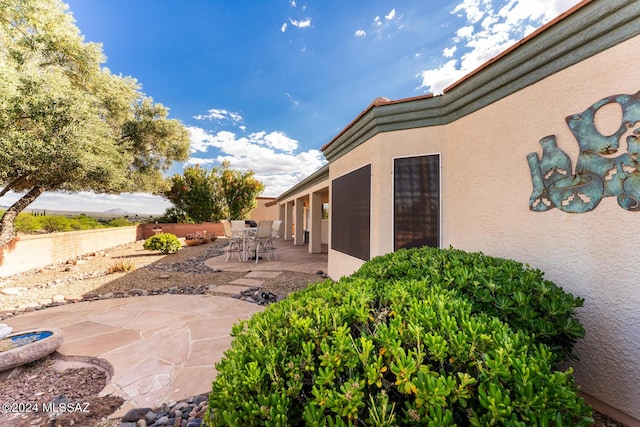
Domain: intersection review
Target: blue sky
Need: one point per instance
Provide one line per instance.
(264, 84)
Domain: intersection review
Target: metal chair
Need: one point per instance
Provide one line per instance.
(261, 239)
(275, 233)
(234, 241)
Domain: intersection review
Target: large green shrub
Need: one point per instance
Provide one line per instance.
(27, 223)
(516, 294)
(407, 352)
(55, 223)
(165, 243)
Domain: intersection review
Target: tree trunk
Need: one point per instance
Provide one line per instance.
(7, 228)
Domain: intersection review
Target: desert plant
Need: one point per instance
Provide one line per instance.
(406, 353)
(119, 222)
(165, 243)
(53, 223)
(124, 266)
(507, 289)
(26, 223)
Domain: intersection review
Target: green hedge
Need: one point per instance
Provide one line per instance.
(365, 351)
(504, 288)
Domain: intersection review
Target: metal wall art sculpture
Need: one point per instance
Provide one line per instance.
(602, 170)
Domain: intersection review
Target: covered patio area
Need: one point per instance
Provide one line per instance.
(289, 257)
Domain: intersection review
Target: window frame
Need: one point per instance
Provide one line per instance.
(393, 195)
(346, 248)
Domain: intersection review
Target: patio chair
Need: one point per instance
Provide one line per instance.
(261, 239)
(275, 233)
(234, 241)
(238, 224)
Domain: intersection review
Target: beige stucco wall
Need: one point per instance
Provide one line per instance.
(485, 192)
(262, 212)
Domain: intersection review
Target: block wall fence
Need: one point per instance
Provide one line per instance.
(29, 252)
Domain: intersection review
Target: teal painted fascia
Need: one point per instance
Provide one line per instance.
(589, 30)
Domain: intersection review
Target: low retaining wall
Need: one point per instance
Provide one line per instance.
(212, 228)
(35, 251)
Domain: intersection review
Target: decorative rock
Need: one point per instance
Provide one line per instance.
(151, 417)
(163, 276)
(197, 422)
(58, 298)
(141, 423)
(73, 298)
(200, 399)
(133, 415)
(180, 406)
(12, 291)
(5, 330)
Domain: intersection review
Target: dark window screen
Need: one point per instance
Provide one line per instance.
(350, 213)
(416, 189)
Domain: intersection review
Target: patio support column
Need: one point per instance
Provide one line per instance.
(315, 223)
(299, 220)
(288, 221)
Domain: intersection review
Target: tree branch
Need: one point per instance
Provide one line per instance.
(18, 180)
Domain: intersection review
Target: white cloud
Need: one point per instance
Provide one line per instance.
(218, 114)
(449, 52)
(360, 33)
(486, 32)
(306, 23)
(441, 77)
(271, 155)
(383, 27)
(284, 27)
(293, 101)
(292, 3)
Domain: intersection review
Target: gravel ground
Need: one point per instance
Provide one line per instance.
(89, 276)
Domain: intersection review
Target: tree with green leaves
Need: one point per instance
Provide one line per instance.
(66, 123)
(213, 195)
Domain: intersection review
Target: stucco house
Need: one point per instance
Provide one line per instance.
(533, 157)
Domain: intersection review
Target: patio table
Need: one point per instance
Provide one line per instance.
(245, 232)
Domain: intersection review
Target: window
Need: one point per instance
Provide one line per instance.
(350, 213)
(416, 189)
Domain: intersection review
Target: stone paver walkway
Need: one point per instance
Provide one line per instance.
(162, 348)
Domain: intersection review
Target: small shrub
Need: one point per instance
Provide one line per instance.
(123, 266)
(407, 353)
(518, 295)
(165, 243)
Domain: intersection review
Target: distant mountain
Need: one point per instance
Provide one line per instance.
(116, 211)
